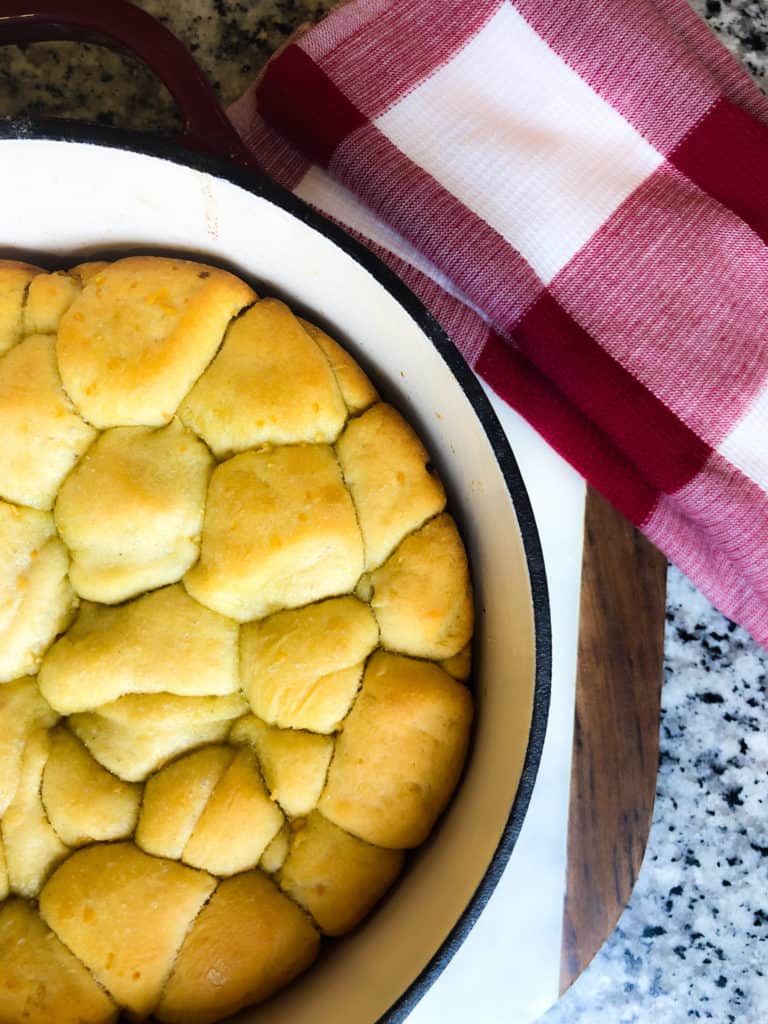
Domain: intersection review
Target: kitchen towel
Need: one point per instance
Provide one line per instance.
(578, 191)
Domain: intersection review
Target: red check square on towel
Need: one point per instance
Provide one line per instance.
(578, 192)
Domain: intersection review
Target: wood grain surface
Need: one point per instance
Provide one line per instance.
(616, 729)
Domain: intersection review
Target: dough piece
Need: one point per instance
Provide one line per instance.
(163, 642)
(459, 665)
(169, 713)
(43, 436)
(274, 856)
(36, 600)
(137, 734)
(48, 298)
(400, 753)
(337, 877)
(131, 512)
(14, 279)
(280, 531)
(5, 884)
(125, 915)
(269, 384)
(301, 669)
(248, 942)
(356, 390)
(238, 822)
(175, 798)
(41, 982)
(85, 271)
(294, 763)
(22, 710)
(139, 335)
(385, 467)
(83, 801)
(422, 595)
(32, 847)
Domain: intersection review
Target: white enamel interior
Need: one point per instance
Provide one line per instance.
(65, 201)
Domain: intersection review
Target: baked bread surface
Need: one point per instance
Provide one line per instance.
(235, 633)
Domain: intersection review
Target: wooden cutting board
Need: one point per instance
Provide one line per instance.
(616, 728)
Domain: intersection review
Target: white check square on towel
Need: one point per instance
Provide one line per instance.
(745, 445)
(545, 164)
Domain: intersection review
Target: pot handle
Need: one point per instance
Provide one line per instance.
(121, 26)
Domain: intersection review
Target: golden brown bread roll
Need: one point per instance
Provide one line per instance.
(422, 595)
(269, 384)
(238, 822)
(399, 755)
(83, 801)
(294, 762)
(5, 885)
(248, 941)
(336, 876)
(43, 436)
(385, 467)
(36, 598)
(211, 810)
(85, 271)
(137, 734)
(168, 712)
(274, 855)
(140, 334)
(356, 390)
(124, 914)
(279, 531)
(459, 665)
(163, 642)
(175, 797)
(49, 296)
(301, 669)
(215, 537)
(14, 281)
(131, 511)
(22, 711)
(41, 982)
(32, 847)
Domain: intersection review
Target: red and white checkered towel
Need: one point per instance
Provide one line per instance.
(578, 191)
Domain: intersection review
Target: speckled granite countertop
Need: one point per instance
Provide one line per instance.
(693, 944)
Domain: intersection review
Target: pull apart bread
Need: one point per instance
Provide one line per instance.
(235, 620)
